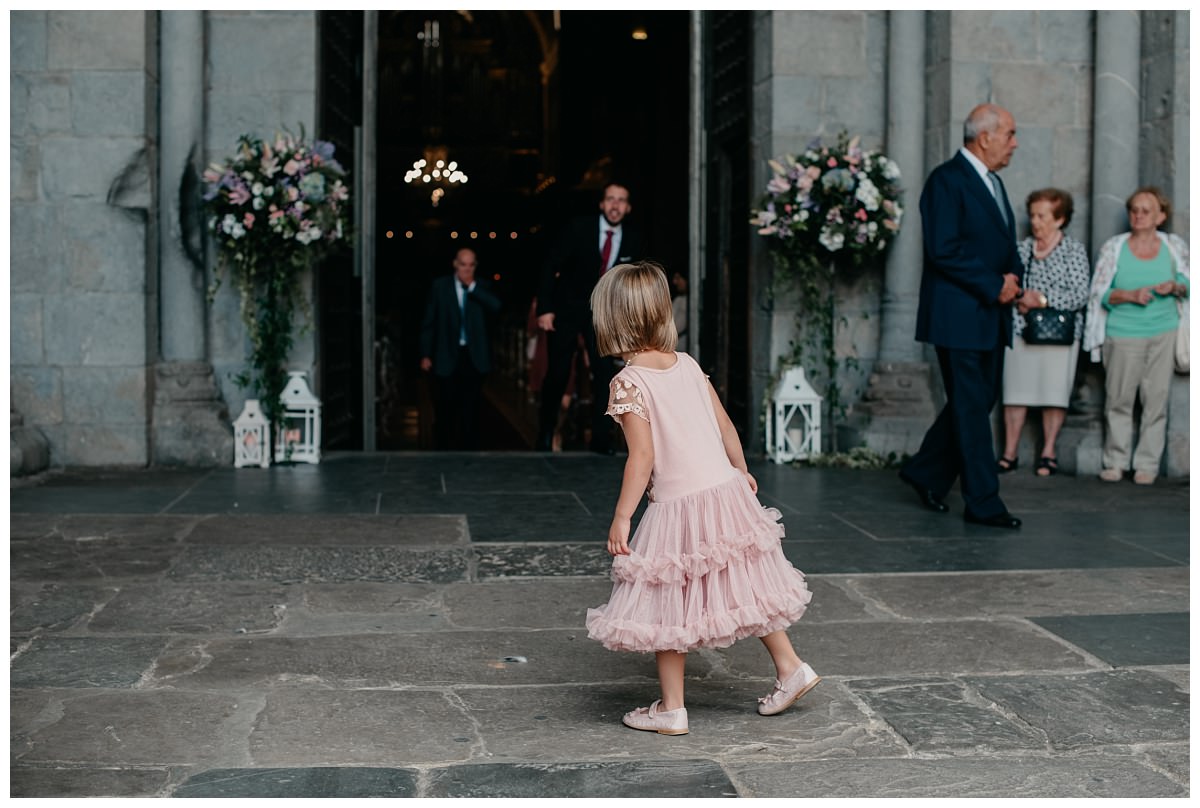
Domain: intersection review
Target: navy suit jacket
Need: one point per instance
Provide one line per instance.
(573, 266)
(968, 249)
(440, 327)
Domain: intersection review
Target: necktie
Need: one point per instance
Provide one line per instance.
(998, 194)
(606, 253)
(462, 316)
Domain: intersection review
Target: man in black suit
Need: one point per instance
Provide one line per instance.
(972, 275)
(454, 346)
(589, 247)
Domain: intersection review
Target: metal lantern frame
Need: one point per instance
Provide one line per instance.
(251, 432)
(794, 424)
(298, 434)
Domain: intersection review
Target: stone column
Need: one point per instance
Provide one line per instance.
(906, 146)
(1116, 122)
(190, 422)
(898, 405)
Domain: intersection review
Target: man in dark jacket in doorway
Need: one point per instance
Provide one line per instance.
(590, 246)
(454, 346)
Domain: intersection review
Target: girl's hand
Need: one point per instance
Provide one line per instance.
(618, 536)
(753, 482)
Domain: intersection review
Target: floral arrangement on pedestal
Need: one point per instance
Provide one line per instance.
(827, 211)
(274, 209)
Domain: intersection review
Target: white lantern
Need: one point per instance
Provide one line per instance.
(794, 425)
(298, 434)
(250, 432)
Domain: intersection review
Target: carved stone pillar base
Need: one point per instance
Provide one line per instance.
(28, 449)
(895, 411)
(191, 424)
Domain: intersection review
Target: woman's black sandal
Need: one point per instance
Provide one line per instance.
(1006, 464)
(1050, 464)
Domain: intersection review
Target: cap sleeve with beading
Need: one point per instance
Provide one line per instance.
(624, 396)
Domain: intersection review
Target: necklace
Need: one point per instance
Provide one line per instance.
(629, 360)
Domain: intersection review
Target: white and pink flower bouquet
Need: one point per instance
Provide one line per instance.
(280, 196)
(836, 202)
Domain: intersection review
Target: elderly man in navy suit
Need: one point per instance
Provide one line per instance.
(971, 278)
(590, 246)
(454, 346)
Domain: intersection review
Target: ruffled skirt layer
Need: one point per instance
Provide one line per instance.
(705, 570)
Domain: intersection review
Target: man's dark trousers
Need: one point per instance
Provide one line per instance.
(459, 396)
(963, 432)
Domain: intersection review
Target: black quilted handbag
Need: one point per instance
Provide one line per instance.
(1049, 327)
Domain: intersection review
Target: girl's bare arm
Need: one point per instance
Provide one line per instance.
(633, 485)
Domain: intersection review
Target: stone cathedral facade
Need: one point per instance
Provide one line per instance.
(117, 357)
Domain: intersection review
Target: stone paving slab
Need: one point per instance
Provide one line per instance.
(941, 716)
(1055, 777)
(569, 722)
(1127, 639)
(361, 728)
(363, 608)
(935, 647)
(1172, 760)
(1061, 592)
(645, 779)
(85, 662)
(542, 560)
(102, 728)
(325, 781)
(988, 550)
(63, 782)
(1105, 707)
(55, 559)
(556, 516)
(320, 564)
(36, 608)
(519, 603)
(338, 531)
(181, 608)
(911, 523)
(400, 660)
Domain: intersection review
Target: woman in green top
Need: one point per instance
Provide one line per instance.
(1139, 294)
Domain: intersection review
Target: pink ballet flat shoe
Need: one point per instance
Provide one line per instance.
(789, 691)
(652, 719)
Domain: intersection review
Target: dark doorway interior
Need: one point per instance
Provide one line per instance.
(339, 291)
(539, 109)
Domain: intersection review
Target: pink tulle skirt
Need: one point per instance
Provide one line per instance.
(705, 570)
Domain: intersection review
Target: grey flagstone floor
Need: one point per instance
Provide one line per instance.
(411, 624)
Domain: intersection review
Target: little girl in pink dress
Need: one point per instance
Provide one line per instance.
(705, 567)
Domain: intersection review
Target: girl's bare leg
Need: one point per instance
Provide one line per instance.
(779, 646)
(670, 678)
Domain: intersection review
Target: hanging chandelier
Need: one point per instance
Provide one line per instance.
(439, 173)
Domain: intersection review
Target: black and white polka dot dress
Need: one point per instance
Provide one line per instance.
(1044, 375)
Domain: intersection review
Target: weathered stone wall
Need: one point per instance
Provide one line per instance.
(261, 80)
(827, 75)
(82, 88)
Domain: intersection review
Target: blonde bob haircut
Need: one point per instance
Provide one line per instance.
(631, 309)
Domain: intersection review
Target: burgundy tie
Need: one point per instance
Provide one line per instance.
(606, 252)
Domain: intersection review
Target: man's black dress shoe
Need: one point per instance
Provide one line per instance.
(1005, 519)
(928, 499)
